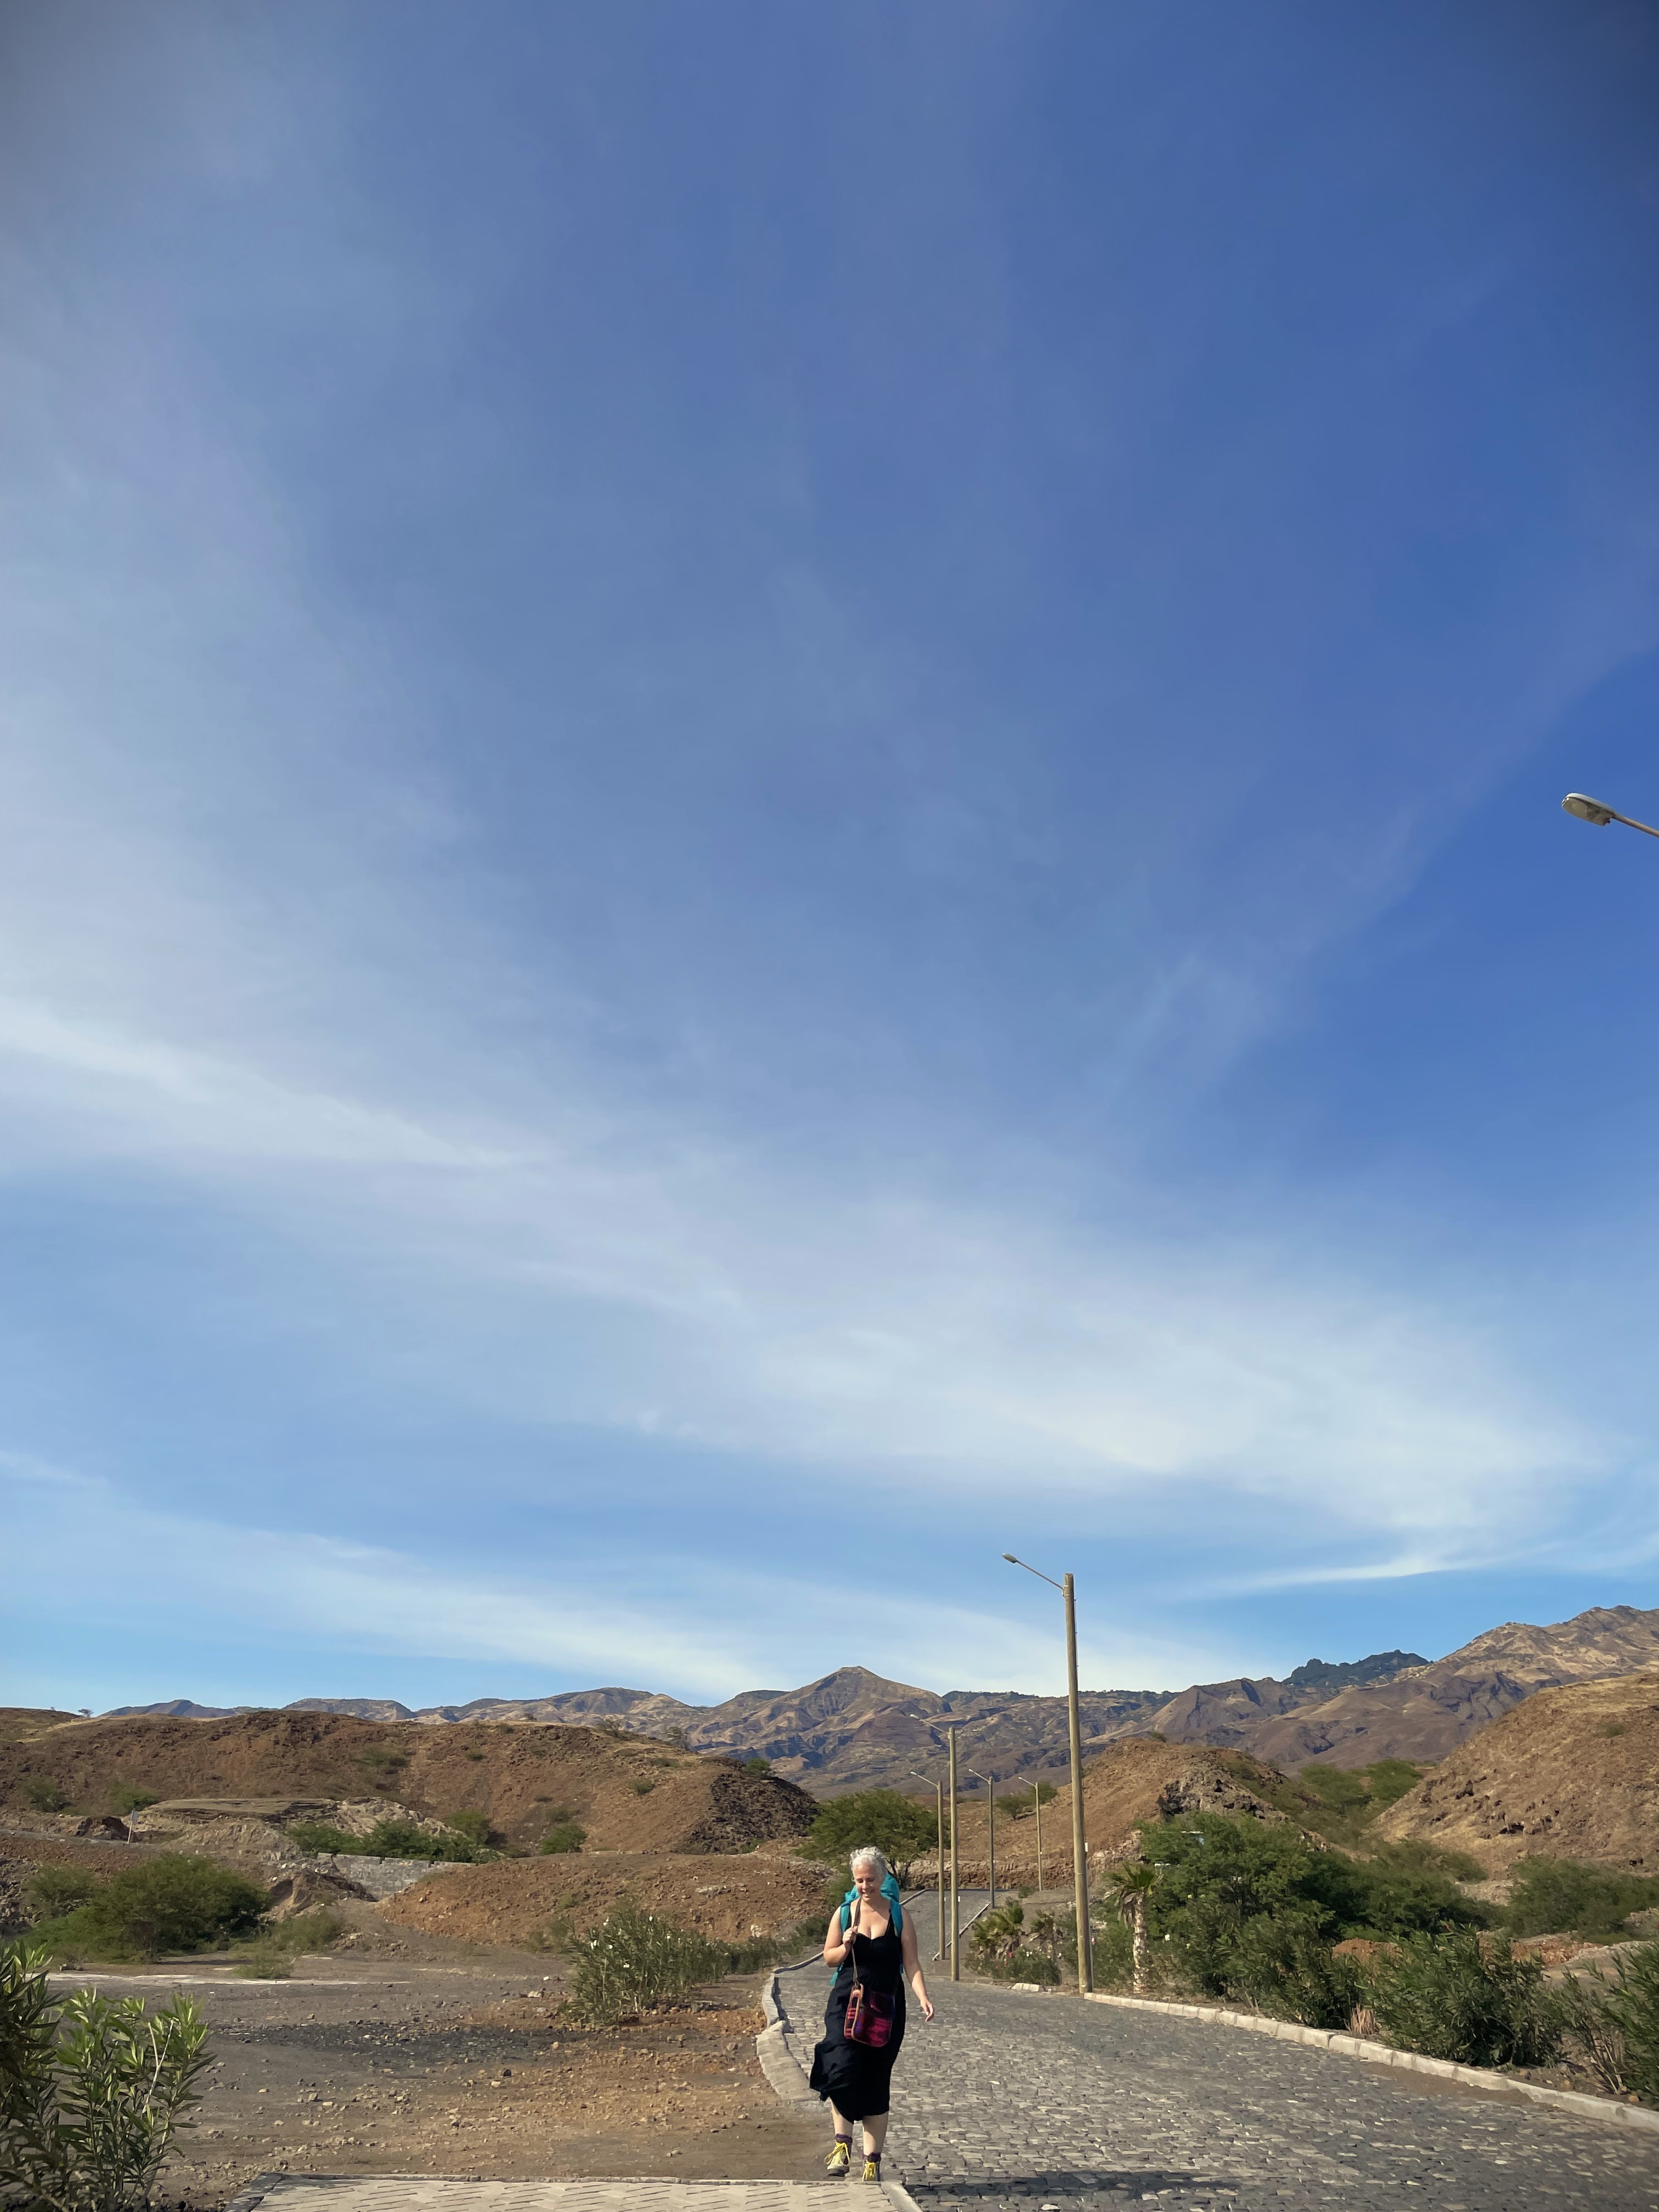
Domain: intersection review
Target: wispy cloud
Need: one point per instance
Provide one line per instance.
(551, 873)
(300, 1592)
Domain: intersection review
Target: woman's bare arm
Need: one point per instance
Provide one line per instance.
(913, 1968)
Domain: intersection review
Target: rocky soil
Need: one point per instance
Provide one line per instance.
(1573, 1773)
(732, 1899)
(406, 2054)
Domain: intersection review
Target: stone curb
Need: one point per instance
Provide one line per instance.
(785, 2075)
(1384, 2054)
(248, 2199)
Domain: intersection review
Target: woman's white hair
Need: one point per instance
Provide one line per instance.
(869, 1856)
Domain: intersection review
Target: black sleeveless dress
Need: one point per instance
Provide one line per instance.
(856, 2079)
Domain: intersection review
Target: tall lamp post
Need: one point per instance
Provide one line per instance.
(938, 1788)
(950, 1727)
(991, 1808)
(1593, 811)
(1036, 1806)
(1085, 1966)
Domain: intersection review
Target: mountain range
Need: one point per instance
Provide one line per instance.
(853, 1729)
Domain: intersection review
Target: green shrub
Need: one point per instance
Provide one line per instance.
(1593, 2035)
(92, 2094)
(1416, 1856)
(1219, 1871)
(471, 1826)
(1411, 1889)
(51, 1891)
(318, 1836)
(128, 1797)
(1461, 1996)
(643, 1785)
(755, 1765)
(401, 1840)
(1389, 1780)
(1111, 1951)
(40, 1791)
(1017, 1804)
(1283, 1966)
(1341, 1788)
(1028, 1964)
(1551, 1897)
(174, 1903)
(264, 1961)
(634, 1961)
(563, 1835)
(897, 1826)
(398, 1839)
(1632, 2005)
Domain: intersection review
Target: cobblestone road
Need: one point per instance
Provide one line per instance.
(1010, 2102)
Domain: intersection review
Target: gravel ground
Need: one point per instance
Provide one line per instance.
(410, 2055)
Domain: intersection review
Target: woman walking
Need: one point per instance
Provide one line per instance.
(874, 1951)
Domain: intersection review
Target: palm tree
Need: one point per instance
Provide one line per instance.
(1129, 1887)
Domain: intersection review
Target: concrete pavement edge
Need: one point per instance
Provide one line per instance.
(1384, 2054)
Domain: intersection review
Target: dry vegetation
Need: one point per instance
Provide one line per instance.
(1573, 1773)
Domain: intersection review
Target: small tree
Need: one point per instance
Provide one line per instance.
(898, 1826)
(173, 1903)
(92, 2094)
(1129, 1888)
(51, 1891)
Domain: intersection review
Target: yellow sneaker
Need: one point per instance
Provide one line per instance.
(840, 2156)
(872, 2169)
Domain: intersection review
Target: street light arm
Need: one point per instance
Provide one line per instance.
(1598, 814)
(1037, 1571)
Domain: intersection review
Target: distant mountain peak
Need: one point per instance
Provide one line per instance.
(1327, 1674)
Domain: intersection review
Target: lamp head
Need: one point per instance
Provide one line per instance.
(1011, 1560)
(1587, 810)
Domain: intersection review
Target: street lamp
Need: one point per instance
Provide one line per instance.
(1036, 1806)
(1085, 1969)
(938, 1788)
(950, 1727)
(1592, 810)
(991, 1807)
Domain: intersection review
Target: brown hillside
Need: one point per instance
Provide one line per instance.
(757, 1893)
(1573, 1773)
(1421, 1717)
(630, 1794)
(1138, 1779)
(19, 1722)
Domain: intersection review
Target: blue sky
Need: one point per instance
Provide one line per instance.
(782, 805)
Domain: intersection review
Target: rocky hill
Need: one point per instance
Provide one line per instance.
(853, 1730)
(628, 1792)
(763, 1893)
(1573, 1774)
(1138, 1779)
